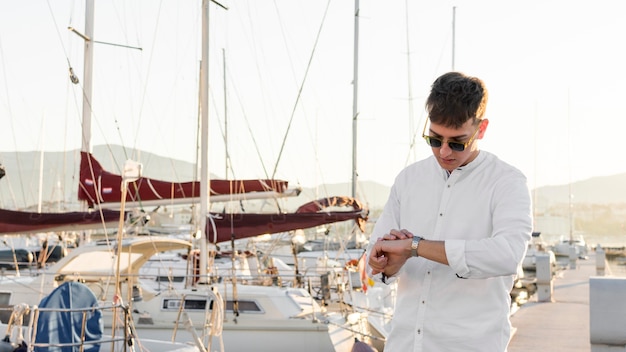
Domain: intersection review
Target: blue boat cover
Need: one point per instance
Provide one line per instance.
(65, 327)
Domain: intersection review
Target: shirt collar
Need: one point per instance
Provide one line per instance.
(470, 166)
(474, 163)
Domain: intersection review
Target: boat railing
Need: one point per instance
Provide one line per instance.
(22, 328)
(211, 327)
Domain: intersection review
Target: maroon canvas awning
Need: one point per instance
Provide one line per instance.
(18, 222)
(244, 225)
(99, 186)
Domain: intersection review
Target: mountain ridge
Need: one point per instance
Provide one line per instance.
(59, 181)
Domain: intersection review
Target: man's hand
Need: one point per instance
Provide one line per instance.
(390, 252)
(398, 235)
(377, 259)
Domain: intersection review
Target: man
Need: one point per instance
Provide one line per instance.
(453, 232)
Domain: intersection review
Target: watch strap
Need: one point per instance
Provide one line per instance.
(414, 244)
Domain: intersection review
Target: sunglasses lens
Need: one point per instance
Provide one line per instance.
(457, 147)
(433, 142)
(436, 143)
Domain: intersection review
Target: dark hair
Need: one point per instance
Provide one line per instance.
(455, 98)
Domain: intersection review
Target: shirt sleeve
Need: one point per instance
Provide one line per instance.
(501, 252)
(380, 277)
(455, 252)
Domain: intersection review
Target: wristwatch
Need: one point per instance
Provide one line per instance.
(414, 243)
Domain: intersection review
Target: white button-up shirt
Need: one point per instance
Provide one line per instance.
(483, 213)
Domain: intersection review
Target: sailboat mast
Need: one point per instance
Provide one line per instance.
(355, 107)
(453, 35)
(226, 156)
(204, 140)
(569, 163)
(409, 77)
(87, 75)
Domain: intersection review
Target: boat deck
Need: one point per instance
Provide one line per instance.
(560, 325)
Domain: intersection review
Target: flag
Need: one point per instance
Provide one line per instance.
(365, 280)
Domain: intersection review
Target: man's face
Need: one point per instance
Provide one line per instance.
(468, 134)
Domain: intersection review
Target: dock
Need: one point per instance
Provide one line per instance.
(563, 323)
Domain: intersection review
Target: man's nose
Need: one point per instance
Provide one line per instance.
(445, 150)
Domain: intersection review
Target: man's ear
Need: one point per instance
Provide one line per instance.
(483, 127)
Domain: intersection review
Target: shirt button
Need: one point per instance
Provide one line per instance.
(440, 214)
(419, 331)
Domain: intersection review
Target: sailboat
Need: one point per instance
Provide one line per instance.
(250, 325)
(239, 318)
(301, 318)
(98, 186)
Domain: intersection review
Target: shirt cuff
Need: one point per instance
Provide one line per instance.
(455, 252)
(380, 277)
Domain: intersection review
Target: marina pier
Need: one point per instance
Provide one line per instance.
(562, 323)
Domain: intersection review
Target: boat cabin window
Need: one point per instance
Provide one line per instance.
(244, 307)
(5, 309)
(200, 304)
(190, 304)
(5, 298)
(168, 279)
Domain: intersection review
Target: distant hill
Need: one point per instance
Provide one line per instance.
(18, 189)
(59, 180)
(596, 190)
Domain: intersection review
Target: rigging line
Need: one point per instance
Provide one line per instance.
(284, 37)
(282, 147)
(245, 116)
(222, 129)
(80, 85)
(415, 134)
(112, 44)
(19, 167)
(416, 130)
(8, 103)
(291, 61)
(410, 86)
(148, 75)
(69, 65)
(223, 133)
(259, 72)
(143, 99)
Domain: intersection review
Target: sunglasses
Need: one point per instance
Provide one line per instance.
(435, 142)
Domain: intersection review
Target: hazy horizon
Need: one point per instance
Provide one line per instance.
(288, 88)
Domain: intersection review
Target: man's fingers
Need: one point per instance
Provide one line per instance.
(398, 234)
(406, 233)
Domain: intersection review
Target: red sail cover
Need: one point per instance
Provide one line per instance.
(98, 186)
(18, 222)
(244, 225)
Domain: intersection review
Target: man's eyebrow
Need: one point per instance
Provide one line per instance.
(459, 137)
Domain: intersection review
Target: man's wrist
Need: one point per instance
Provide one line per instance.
(415, 241)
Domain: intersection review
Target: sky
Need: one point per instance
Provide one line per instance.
(554, 70)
